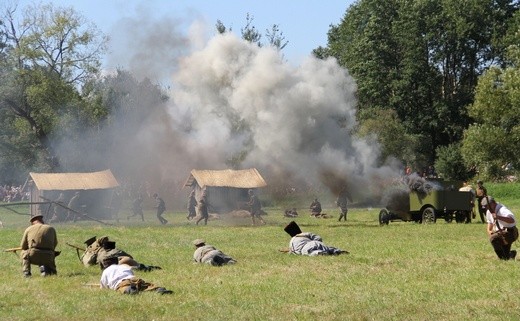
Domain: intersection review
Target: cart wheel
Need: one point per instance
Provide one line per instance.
(428, 215)
(384, 217)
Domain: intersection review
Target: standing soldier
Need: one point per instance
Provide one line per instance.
(203, 209)
(137, 207)
(468, 188)
(255, 207)
(38, 247)
(161, 207)
(192, 204)
(481, 193)
(342, 202)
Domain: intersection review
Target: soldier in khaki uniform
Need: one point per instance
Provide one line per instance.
(38, 243)
(210, 255)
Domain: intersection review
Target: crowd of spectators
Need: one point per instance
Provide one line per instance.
(13, 194)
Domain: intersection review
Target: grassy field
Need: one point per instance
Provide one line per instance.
(403, 271)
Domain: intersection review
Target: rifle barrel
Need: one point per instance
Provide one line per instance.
(75, 246)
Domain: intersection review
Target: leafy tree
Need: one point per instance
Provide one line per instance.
(249, 32)
(387, 130)
(275, 37)
(51, 52)
(421, 59)
(450, 164)
(494, 139)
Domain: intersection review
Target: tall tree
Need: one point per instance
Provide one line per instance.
(493, 141)
(421, 59)
(52, 52)
(275, 37)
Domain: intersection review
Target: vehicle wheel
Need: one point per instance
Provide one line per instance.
(384, 217)
(460, 216)
(428, 215)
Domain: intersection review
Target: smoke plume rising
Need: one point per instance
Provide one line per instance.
(234, 104)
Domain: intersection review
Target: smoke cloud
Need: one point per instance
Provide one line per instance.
(232, 103)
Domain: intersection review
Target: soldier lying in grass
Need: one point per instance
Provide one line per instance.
(210, 255)
(305, 243)
(118, 275)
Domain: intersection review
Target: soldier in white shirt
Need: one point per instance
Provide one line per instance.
(501, 228)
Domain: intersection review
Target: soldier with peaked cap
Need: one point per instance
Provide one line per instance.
(101, 248)
(210, 255)
(38, 245)
(305, 243)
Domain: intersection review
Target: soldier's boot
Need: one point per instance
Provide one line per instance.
(43, 272)
(163, 291)
(27, 274)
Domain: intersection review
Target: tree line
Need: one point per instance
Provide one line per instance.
(436, 80)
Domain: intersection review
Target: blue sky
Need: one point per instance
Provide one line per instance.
(304, 23)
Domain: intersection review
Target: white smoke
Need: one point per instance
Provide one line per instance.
(298, 120)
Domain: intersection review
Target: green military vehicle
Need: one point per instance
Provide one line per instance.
(445, 201)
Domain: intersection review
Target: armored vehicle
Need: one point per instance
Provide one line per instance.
(445, 201)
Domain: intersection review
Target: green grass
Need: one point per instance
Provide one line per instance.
(403, 271)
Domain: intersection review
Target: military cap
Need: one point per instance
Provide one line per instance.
(487, 199)
(90, 240)
(128, 261)
(199, 242)
(292, 229)
(35, 217)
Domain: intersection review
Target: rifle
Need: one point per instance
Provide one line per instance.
(77, 249)
(92, 285)
(14, 250)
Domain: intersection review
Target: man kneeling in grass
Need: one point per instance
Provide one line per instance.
(118, 275)
(308, 243)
